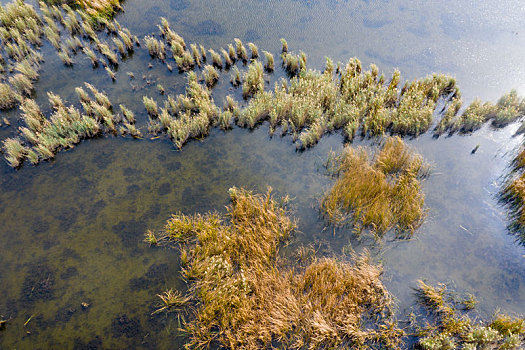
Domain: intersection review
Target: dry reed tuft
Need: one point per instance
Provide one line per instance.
(189, 116)
(240, 50)
(245, 298)
(270, 63)
(253, 79)
(379, 192)
(211, 76)
(227, 59)
(15, 151)
(254, 50)
(151, 106)
(216, 59)
(7, 97)
(235, 78)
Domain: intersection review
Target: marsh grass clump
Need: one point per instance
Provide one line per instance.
(232, 53)
(235, 78)
(240, 50)
(291, 63)
(154, 46)
(100, 10)
(14, 151)
(245, 296)
(106, 51)
(450, 328)
(284, 45)
(270, 63)
(127, 40)
(64, 56)
(196, 54)
(379, 191)
(509, 108)
(91, 55)
(211, 76)
(111, 74)
(171, 301)
(253, 79)
(188, 116)
(7, 97)
(512, 196)
(227, 59)
(128, 114)
(185, 62)
(216, 59)
(151, 105)
(355, 101)
(73, 44)
(66, 125)
(22, 84)
(254, 50)
(120, 46)
(132, 130)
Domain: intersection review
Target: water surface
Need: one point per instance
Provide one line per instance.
(73, 227)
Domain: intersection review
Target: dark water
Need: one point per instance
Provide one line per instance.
(72, 228)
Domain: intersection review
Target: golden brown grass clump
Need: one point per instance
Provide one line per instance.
(380, 191)
(452, 329)
(99, 8)
(246, 299)
(513, 196)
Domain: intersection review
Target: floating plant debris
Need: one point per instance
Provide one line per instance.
(244, 296)
(379, 191)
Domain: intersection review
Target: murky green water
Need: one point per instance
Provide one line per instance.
(72, 228)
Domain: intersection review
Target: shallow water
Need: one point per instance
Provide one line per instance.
(72, 228)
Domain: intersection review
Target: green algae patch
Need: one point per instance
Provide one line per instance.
(379, 191)
(245, 297)
(453, 329)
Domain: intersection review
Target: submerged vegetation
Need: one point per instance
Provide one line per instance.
(246, 297)
(379, 191)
